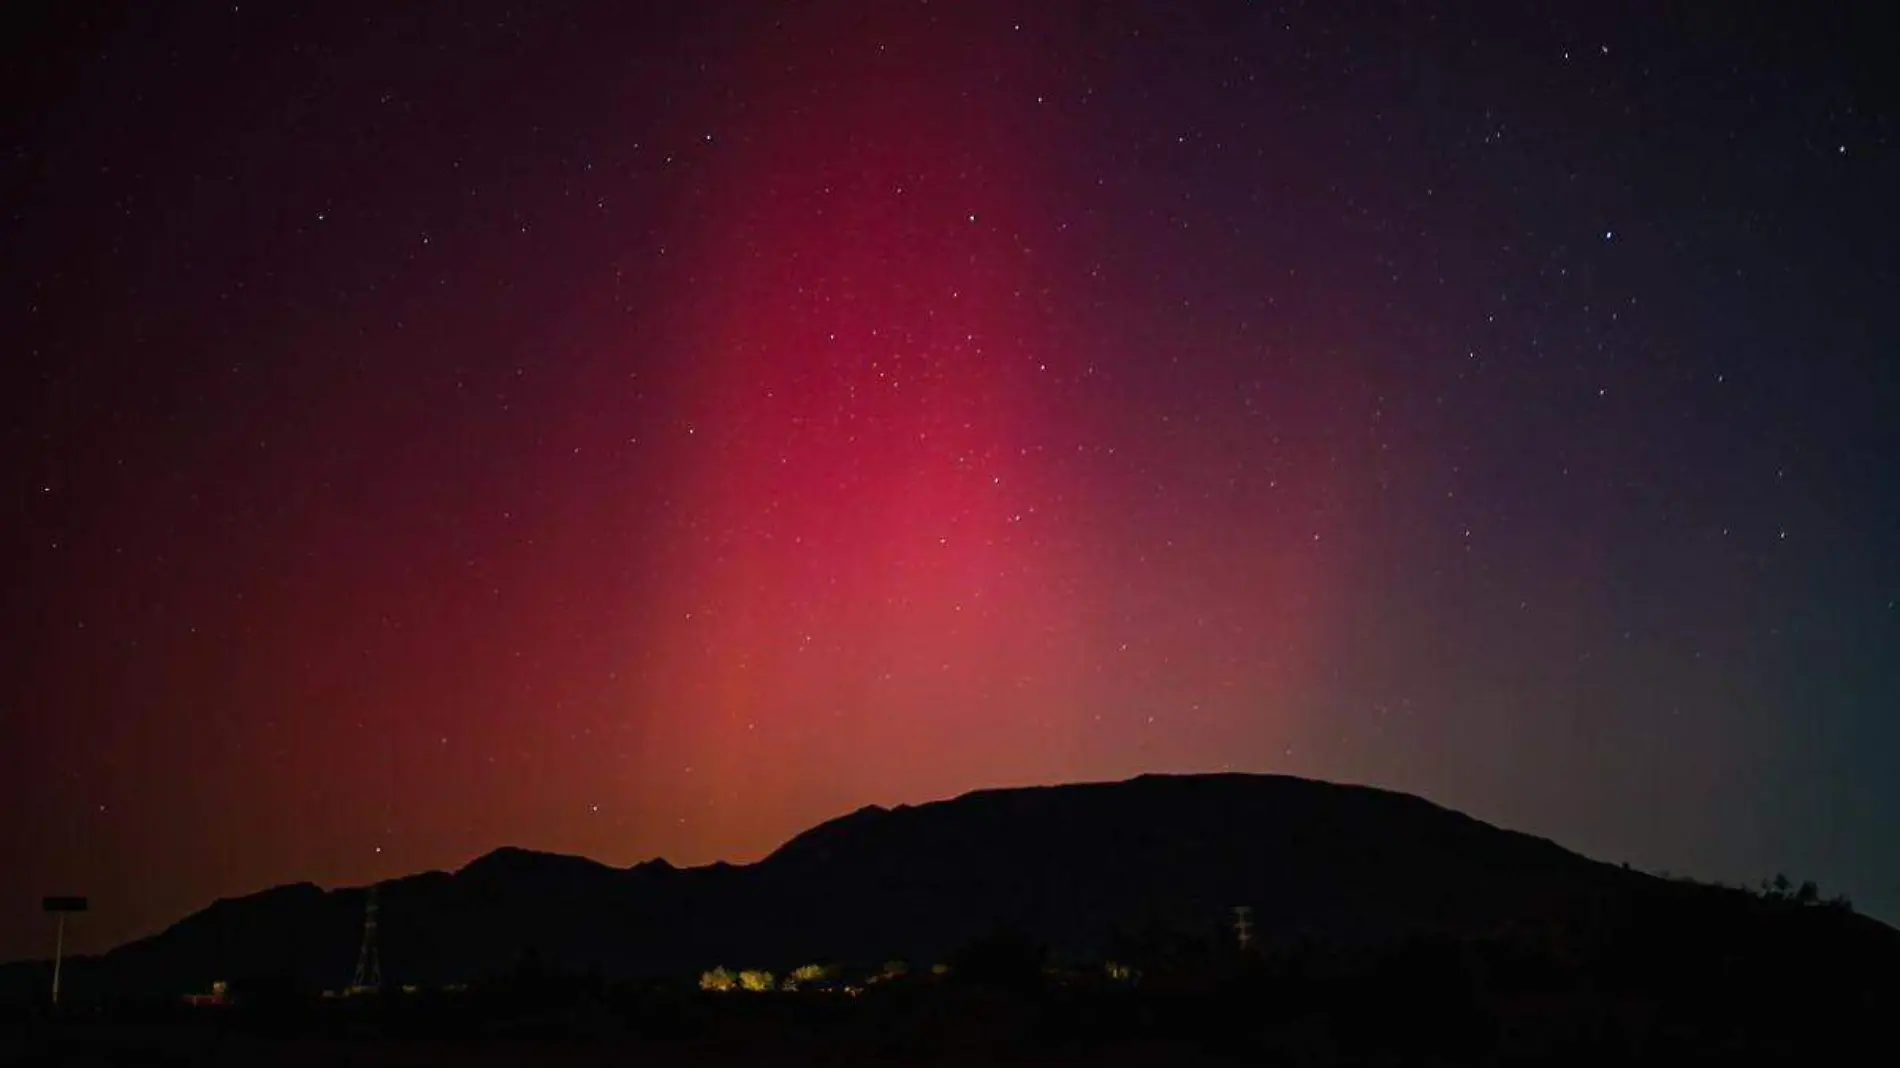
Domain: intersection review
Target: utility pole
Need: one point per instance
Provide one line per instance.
(60, 906)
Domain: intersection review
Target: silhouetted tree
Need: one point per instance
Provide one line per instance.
(1003, 956)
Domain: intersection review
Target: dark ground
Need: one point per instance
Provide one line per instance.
(1424, 1004)
(1700, 975)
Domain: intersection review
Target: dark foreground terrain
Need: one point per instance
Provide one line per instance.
(1671, 996)
(1083, 866)
(1066, 925)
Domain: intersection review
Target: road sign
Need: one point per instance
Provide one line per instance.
(60, 905)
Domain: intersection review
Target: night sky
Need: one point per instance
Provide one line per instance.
(640, 432)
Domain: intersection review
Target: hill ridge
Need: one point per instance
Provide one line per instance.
(1082, 865)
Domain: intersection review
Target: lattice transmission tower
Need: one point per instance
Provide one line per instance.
(369, 965)
(1243, 925)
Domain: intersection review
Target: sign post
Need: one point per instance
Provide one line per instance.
(60, 906)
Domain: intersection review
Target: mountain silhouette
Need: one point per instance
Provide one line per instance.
(1083, 867)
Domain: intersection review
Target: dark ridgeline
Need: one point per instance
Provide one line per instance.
(1093, 872)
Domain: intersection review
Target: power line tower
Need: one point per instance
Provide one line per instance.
(369, 965)
(1243, 925)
